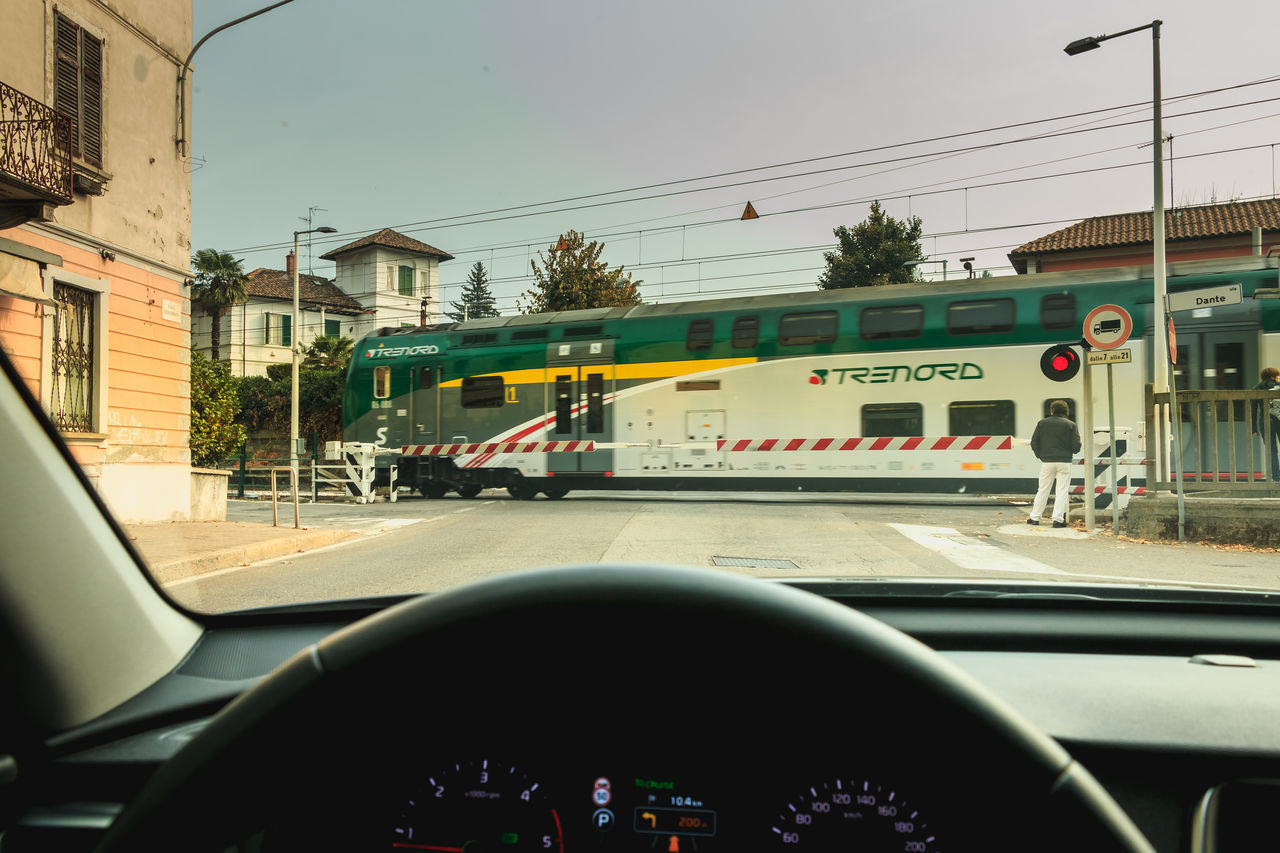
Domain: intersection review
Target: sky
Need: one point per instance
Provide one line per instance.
(487, 128)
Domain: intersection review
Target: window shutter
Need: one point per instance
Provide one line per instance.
(66, 83)
(266, 329)
(332, 328)
(91, 99)
(286, 330)
(406, 281)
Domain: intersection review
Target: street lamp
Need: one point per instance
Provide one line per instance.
(1160, 361)
(943, 261)
(294, 449)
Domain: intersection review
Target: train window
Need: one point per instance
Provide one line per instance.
(1058, 311)
(892, 419)
(980, 316)
(1071, 407)
(482, 392)
(584, 331)
(891, 321)
(746, 332)
(595, 402)
(481, 338)
(980, 417)
(564, 404)
(812, 327)
(426, 377)
(382, 382)
(529, 335)
(699, 335)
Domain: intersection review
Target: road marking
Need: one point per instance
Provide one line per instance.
(970, 553)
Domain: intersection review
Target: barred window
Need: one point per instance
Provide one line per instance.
(73, 358)
(77, 90)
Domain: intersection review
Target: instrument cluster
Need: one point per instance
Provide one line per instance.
(493, 805)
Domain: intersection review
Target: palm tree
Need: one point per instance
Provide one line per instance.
(330, 352)
(219, 284)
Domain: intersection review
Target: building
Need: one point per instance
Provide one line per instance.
(395, 278)
(1231, 230)
(95, 222)
(258, 333)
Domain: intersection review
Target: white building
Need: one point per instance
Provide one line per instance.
(394, 278)
(259, 332)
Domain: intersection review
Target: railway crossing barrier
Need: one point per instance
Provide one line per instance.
(353, 469)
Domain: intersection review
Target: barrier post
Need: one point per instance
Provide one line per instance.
(315, 449)
(244, 462)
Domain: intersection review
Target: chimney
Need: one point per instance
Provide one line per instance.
(289, 261)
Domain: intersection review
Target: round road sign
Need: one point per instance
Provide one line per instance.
(1107, 327)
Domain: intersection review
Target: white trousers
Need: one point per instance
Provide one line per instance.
(1051, 473)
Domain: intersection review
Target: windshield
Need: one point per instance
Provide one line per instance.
(407, 295)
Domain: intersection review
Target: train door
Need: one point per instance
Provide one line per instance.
(1217, 359)
(391, 411)
(424, 405)
(580, 397)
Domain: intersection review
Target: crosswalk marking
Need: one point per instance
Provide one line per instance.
(970, 553)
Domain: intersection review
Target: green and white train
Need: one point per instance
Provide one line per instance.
(924, 387)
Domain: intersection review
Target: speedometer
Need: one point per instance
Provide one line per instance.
(851, 814)
(475, 806)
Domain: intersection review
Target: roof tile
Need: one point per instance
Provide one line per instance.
(1183, 223)
(391, 239)
(312, 290)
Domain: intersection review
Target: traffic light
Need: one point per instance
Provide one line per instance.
(1060, 363)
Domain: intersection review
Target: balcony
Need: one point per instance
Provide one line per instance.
(35, 158)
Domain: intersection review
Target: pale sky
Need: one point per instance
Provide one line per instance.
(419, 115)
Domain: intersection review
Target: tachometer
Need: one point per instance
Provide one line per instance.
(850, 814)
(478, 806)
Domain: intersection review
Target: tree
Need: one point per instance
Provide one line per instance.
(477, 299)
(219, 284)
(572, 276)
(328, 353)
(215, 406)
(875, 251)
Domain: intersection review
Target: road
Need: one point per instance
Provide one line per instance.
(417, 545)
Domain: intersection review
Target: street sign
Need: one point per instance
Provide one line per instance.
(1209, 297)
(1110, 356)
(1107, 327)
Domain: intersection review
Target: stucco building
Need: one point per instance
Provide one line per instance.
(395, 278)
(95, 220)
(259, 332)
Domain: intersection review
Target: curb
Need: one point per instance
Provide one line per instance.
(243, 555)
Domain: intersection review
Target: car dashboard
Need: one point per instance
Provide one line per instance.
(1171, 705)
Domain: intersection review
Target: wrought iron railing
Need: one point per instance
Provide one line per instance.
(35, 145)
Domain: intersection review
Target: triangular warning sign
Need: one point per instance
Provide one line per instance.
(562, 245)
(750, 212)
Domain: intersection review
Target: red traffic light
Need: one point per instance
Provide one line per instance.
(1060, 363)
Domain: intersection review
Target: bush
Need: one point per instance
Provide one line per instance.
(215, 405)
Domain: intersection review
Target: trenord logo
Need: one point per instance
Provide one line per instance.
(950, 370)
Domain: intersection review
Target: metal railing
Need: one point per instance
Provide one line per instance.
(35, 146)
(1219, 449)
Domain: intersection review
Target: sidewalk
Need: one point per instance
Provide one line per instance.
(181, 549)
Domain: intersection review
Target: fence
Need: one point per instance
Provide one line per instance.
(1219, 450)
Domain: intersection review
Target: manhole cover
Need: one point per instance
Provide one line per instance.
(753, 563)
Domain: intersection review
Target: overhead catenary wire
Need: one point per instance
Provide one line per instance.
(452, 221)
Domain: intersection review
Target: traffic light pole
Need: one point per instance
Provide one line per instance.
(1115, 479)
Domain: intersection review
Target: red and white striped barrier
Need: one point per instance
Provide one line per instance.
(498, 447)
(946, 442)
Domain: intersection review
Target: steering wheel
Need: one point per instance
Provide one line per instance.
(537, 659)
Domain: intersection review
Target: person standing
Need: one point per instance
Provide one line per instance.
(1269, 408)
(1054, 442)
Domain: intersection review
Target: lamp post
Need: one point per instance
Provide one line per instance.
(1160, 360)
(294, 449)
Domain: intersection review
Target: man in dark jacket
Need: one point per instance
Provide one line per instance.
(1055, 441)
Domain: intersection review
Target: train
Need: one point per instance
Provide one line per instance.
(926, 386)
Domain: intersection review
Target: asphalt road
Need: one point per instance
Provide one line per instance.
(418, 545)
